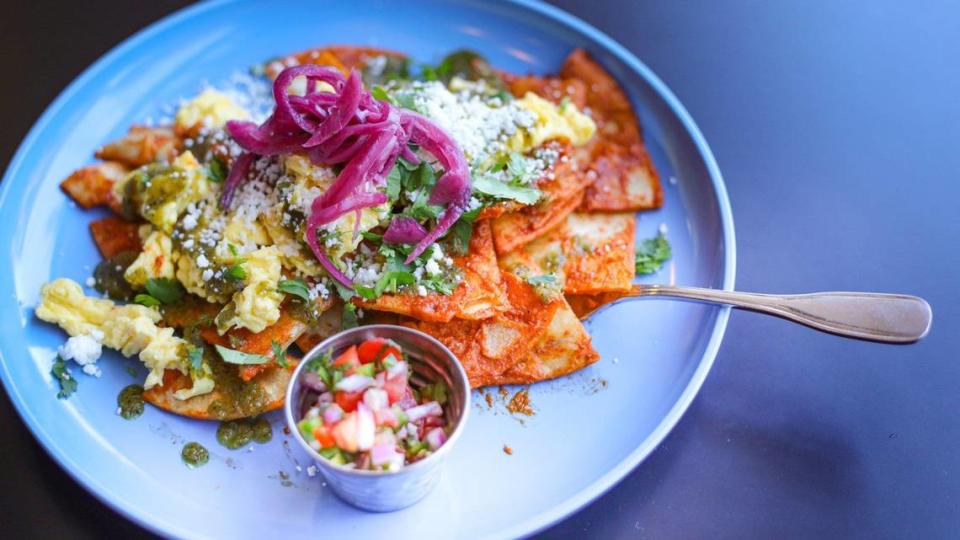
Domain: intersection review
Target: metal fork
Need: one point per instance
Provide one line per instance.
(885, 318)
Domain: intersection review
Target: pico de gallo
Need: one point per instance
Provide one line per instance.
(363, 412)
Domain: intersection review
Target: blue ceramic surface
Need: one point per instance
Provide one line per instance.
(590, 429)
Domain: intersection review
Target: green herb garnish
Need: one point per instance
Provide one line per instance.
(166, 290)
(296, 287)
(146, 300)
(195, 356)
(68, 385)
(349, 317)
(652, 253)
(279, 354)
(216, 170)
(491, 185)
(231, 356)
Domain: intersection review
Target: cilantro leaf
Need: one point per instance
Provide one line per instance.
(237, 271)
(146, 300)
(231, 356)
(460, 235)
(195, 356)
(349, 317)
(279, 354)
(395, 182)
(216, 170)
(380, 93)
(652, 253)
(490, 185)
(295, 287)
(367, 293)
(165, 290)
(68, 385)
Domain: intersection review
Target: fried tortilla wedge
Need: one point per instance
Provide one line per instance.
(196, 312)
(141, 145)
(561, 195)
(534, 340)
(589, 253)
(486, 348)
(230, 398)
(479, 296)
(93, 185)
(114, 235)
(565, 347)
(626, 179)
(585, 304)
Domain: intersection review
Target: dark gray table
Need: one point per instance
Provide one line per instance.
(837, 127)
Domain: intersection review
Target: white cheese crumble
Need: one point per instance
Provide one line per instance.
(312, 471)
(85, 350)
(662, 229)
(480, 126)
(91, 282)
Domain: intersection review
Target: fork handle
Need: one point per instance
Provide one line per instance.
(887, 318)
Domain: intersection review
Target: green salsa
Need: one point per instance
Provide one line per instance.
(108, 276)
(130, 401)
(194, 454)
(238, 398)
(235, 434)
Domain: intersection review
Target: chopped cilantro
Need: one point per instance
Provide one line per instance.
(146, 300)
(165, 290)
(490, 185)
(237, 271)
(216, 170)
(379, 93)
(652, 253)
(349, 317)
(68, 385)
(295, 287)
(460, 235)
(279, 354)
(195, 356)
(564, 103)
(237, 357)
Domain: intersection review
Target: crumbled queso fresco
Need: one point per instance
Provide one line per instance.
(85, 350)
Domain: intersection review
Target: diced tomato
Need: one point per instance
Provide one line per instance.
(378, 349)
(348, 359)
(323, 436)
(348, 400)
(396, 388)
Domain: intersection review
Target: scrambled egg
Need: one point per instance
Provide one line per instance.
(257, 306)
(552, 122)
(160, 193)
(155, 261)
(211, 109)
(130, 329)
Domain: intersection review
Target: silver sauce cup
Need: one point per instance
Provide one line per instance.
(430, 361)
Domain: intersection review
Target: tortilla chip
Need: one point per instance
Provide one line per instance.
(533, 341)
(220, 404)
(479, 295)
(584, 305)
(565, 347)
(141, 145)
(487, 348)
(554, 89)
(561, 196)
(284, 333)
(93, 185)
(589, 253)
(114, 235)
(625, 181)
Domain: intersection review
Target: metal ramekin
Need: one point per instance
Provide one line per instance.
(388, 491)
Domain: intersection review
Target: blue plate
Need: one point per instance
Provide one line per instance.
(590, 429)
